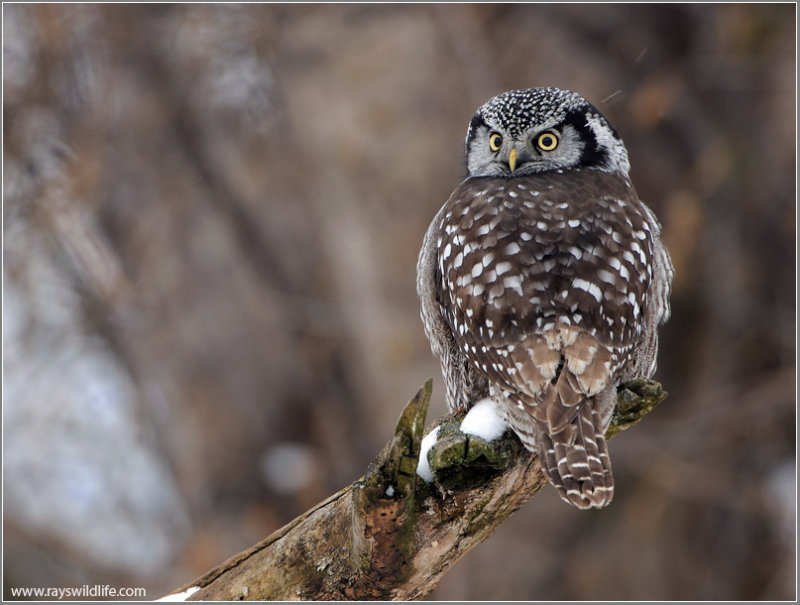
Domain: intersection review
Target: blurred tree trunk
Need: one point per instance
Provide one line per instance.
(390, 536)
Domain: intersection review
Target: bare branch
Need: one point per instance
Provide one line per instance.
(389, 535)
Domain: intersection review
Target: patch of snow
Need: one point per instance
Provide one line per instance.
(423, 468)
(484, 421)
(180, 596)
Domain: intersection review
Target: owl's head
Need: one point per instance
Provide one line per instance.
(522, 132)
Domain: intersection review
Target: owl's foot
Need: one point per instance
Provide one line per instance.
(635, 400)
(456, 460)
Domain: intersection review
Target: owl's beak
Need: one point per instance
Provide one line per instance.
(512, 159)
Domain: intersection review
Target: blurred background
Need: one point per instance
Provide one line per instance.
(212, 215)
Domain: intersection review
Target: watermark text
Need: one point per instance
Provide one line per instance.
(67, 593)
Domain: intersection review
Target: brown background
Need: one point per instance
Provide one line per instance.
(211, 221)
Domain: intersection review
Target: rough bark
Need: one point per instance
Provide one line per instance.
(389, 535)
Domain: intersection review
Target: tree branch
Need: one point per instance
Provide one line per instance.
(389, 535)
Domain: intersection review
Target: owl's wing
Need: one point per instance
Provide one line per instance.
(538, 274)
(546, 282)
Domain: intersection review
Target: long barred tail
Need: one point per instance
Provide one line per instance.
(576, 459)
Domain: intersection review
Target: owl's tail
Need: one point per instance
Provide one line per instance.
(576, 459)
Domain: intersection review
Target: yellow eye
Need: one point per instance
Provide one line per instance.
(495, 140)
(547, 141)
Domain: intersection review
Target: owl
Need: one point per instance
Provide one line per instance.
(543, 280)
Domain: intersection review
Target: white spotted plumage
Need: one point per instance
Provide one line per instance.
(543, 280)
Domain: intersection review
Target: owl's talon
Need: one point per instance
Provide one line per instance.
(447, 453)
(458, 461)
(635, 400)
(496, 454)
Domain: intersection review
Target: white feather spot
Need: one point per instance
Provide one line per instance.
(477, 269)
(638, 249)
(627, 256)
(513, 282)
(606, 276)
(503, 267)
(589, 287)
(512, 248)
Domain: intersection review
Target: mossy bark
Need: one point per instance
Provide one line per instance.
(389, 535)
